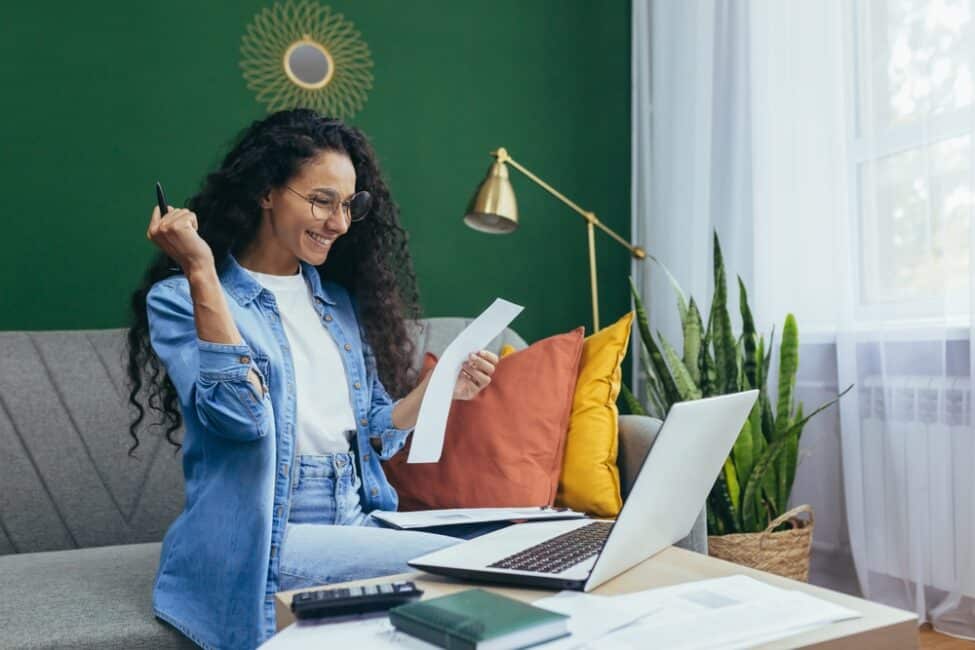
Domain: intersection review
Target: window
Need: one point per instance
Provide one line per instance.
(911, 156)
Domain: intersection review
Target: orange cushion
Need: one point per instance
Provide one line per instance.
(504, 447)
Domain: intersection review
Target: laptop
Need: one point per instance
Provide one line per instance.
(581, 554)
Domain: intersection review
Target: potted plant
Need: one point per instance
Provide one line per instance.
(748, 517)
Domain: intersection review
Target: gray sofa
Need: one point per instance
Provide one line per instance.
(81, 521)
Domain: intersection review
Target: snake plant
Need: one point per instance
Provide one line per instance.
(754, 485)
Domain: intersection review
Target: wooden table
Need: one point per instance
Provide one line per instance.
(879, 627)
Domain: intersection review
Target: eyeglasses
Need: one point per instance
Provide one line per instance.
(325, 204)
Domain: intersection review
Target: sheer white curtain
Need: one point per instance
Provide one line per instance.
(830, 144)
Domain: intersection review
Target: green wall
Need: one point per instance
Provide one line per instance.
(102, 100)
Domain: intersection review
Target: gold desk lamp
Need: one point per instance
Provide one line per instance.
(494, 210)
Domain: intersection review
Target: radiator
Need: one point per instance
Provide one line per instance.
(919, 475)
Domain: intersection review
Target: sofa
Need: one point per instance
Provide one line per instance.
(81, 522)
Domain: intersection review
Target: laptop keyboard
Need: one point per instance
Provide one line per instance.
(559, 553)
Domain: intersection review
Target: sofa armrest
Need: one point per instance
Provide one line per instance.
(637, 433)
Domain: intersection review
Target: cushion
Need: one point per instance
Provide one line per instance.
(504, 447)
(83, 599)
(590, 479)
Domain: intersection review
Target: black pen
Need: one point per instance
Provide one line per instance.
(161, 198)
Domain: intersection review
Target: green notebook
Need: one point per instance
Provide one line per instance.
(478, 619)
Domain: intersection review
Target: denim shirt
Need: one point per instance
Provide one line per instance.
(218, 569)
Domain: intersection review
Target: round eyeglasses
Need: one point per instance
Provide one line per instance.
(326, 204)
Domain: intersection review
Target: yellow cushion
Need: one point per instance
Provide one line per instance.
(590, 480)
(507, 349)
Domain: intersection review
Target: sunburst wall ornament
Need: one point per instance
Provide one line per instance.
(301, 54)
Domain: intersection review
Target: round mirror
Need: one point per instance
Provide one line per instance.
(308, 64)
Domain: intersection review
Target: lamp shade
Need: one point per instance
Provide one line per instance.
(493, 208)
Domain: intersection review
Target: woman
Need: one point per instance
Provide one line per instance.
(270, 324)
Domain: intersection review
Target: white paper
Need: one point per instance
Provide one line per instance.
(730, 612)
(431, 423)
(591, 617)
(361, 634)
(451, 516)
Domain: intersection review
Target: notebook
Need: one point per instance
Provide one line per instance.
(478, 620)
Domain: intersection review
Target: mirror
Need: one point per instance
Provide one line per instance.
(308, 64)
(300, 53)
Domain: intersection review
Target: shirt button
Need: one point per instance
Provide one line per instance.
(363, 421)
(348, 347)
(365, 456)
(274, 549)
(357, 385)
(280, 510)
(284, 469)
(245, 359)
(328, 317)
(341, 461)
(374, 492)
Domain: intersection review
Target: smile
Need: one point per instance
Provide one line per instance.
(319, 239)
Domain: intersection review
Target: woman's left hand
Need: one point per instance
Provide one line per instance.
(475, 374)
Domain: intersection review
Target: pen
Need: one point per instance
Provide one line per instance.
(161, 198)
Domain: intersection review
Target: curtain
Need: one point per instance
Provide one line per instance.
(829, 143)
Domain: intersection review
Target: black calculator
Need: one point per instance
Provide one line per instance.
(345, 601)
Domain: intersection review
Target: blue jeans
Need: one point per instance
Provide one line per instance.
(329, 539)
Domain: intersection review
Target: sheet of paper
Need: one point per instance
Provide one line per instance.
(432, 421)
(451, 516)
(730, 612)
(592, 617)
(376, 632)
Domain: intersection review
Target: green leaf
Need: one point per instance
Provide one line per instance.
(788, 366)
(748, 336)
(712, 520)
(671, 394)
(724, 509)
(681, 299)
(743, 452)
(723, 338)
(734, 492)
(786, 470)
(632, 403)
(768, 420)
(693, 332)
(685, 385)
(708, 380)
(764, 465)
(752, 499)
(759, 442)
(768, 356)
(655, 396)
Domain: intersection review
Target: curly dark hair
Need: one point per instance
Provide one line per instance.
(371, 260)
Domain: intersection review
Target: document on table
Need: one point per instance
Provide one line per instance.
(731, 612)
(432, 421)
(373, 633)
(453, 516)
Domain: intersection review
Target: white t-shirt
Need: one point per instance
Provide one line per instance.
(325, 420)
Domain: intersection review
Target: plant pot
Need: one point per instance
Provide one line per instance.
(784, 553)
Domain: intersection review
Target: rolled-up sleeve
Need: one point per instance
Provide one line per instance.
(381, 413)
(209, 377)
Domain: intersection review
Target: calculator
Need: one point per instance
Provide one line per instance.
(344, 601)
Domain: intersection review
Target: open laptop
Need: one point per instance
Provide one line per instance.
(581, 554)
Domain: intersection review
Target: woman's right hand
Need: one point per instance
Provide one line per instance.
(176, 234)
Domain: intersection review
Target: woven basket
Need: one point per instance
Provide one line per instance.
(784, 553)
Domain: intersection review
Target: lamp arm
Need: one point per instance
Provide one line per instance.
(636, 251)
